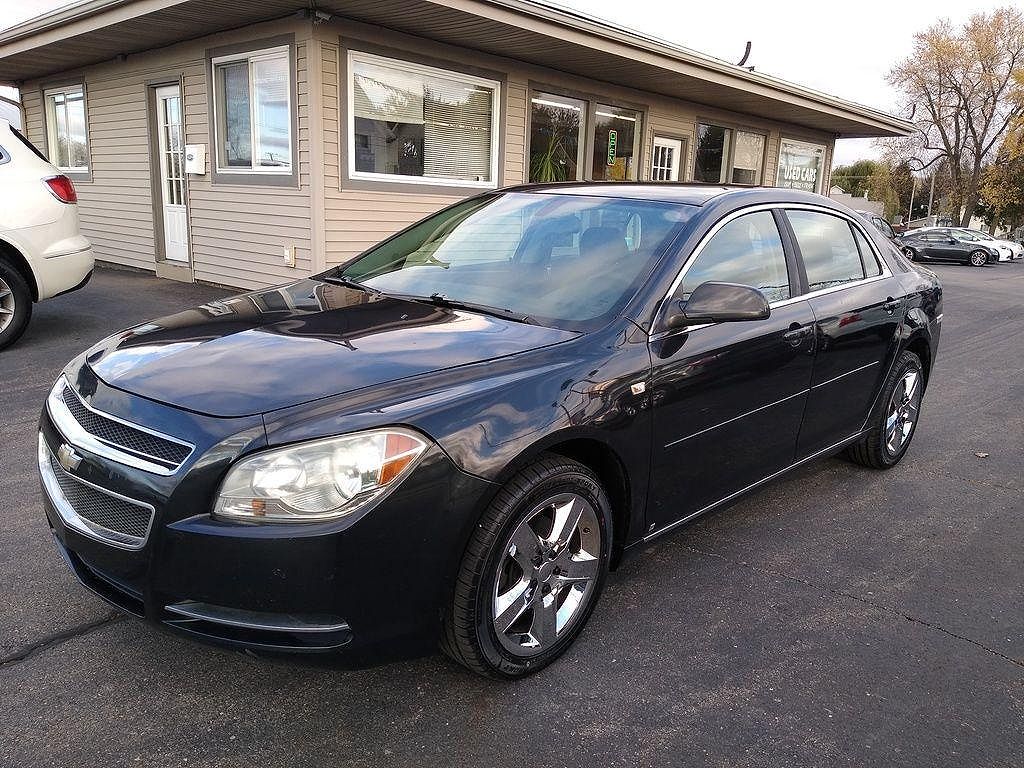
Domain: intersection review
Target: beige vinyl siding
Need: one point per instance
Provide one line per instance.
(517, 119)
(35, 128)
(671, 121)
(238, 233)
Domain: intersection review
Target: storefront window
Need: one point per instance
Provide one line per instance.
(556, 137)
(748, 159)
(800, 165)
(712, 162)
(421, 123)
(616, 134)
(252, 102)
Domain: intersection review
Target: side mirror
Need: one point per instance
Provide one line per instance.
(718, 303)
(953, 241)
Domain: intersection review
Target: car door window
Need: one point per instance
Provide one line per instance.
(829, 251)
(747, 250)
(867, 254)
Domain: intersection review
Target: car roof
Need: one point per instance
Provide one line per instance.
(687, 193)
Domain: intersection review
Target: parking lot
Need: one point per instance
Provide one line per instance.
(841, 617)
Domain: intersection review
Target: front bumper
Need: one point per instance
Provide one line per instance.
(374, 587)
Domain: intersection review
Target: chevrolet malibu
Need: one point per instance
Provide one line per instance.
(451, 439)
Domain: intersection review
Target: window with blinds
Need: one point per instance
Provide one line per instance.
(421, 124)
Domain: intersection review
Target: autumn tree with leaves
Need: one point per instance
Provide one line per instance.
(1002, 183)
(963, 88)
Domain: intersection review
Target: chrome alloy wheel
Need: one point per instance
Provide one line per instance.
(979, 258)
(902, 413)
(6, 305)
(910, 253)
(547, 574)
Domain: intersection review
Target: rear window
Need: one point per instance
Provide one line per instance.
(829, 251)
(28, 144)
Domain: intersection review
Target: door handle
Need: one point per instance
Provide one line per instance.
(891, 304)
(796, 336)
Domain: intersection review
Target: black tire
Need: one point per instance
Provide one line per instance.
(469, 635)
(910, 253)
(872, 449)
(15, 298)
(978, 258)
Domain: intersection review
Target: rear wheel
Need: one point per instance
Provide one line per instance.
(979, 258)
(15, 305)
(532, 571)
(892, 425)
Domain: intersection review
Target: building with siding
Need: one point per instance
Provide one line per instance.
(248, 144)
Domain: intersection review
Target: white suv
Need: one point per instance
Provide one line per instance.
(42, 253)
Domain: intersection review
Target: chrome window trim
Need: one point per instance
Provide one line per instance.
(75, 521)
(76, 434)
(886, 272)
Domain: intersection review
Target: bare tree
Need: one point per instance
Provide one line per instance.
(964, 88)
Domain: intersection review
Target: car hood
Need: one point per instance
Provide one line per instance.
(271, 349)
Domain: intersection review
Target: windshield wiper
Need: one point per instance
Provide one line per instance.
(348, 282)
(441, 300)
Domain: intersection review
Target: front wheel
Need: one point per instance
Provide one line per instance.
(979, 258)
(532, 572)
(892, 425)
(910, 253)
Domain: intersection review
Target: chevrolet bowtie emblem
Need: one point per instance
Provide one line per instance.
(68, 458)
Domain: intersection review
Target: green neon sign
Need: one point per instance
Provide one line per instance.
(613, 143)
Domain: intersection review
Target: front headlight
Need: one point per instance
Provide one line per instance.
(318, 480)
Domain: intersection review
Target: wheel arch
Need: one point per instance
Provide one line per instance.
(14, 257)
(601, 458)
(920, 345)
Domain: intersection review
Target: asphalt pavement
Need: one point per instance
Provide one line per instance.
(840, 617)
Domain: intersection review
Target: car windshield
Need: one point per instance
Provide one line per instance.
(568, 261)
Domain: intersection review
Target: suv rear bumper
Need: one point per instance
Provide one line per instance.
(63, 272)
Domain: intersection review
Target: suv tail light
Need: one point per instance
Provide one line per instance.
(62, 188)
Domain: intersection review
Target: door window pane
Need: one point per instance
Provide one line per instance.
(867, 255)
(556, 138)
(748, 250)
(421, 122)
(65, 128)
(800, 165)
(713, 146)
(828, 249)
(252, 101)
(270, 86)
(616, 135)
(748, 159)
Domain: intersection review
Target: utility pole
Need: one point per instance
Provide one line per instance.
(931, 196)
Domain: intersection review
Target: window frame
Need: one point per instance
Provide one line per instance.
(348, 143)
(590, 101)
(254, 176)
(77, 173)
(735, 129)
(794, 261)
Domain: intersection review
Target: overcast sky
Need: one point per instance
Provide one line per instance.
(843, 49)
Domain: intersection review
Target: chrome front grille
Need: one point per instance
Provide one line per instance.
(92, 510)
(111, 437)
(123, 436)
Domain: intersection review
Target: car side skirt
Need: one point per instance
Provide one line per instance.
(835, 448)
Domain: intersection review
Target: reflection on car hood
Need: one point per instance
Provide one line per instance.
(281, 347)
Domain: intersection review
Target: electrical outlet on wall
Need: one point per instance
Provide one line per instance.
(289, 255)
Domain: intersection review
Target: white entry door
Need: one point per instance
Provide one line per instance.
(171, 145)
(665, 161)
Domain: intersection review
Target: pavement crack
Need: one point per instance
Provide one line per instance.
(49, 641)
(861, 599)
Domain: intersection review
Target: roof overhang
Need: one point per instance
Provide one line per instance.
(93, 31)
